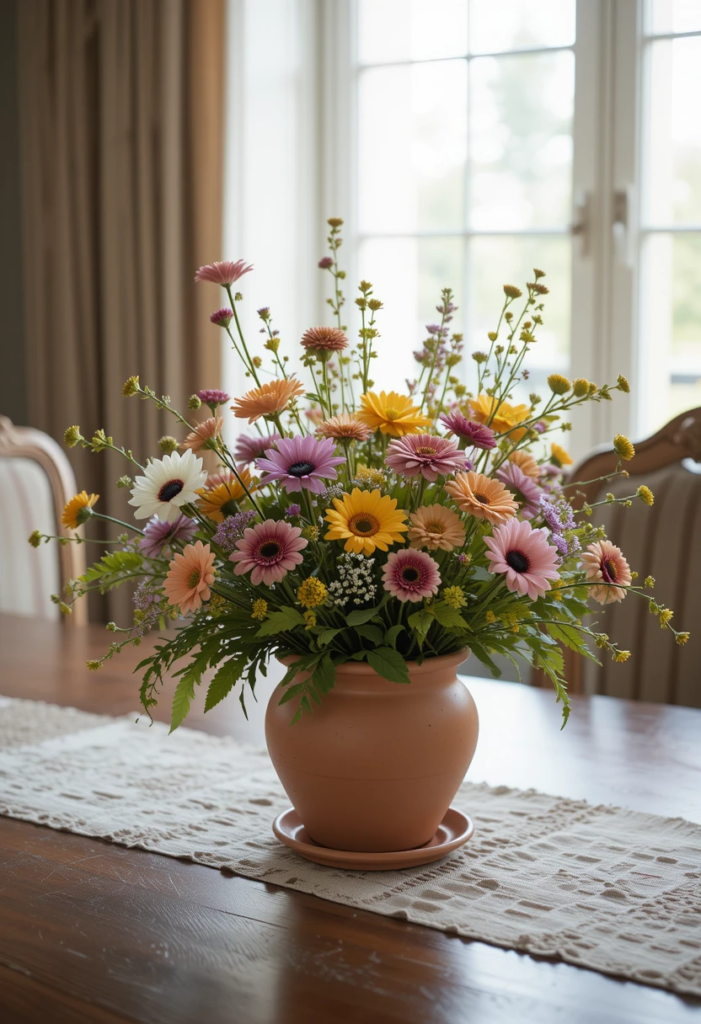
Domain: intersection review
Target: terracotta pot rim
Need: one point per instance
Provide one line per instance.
(360, 668)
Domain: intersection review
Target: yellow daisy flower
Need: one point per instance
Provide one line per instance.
(365, 520)
(559, 456)
(77, 511)
(503, 419)
(391, 413)
(224, 492)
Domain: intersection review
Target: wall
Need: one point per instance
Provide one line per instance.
(13, 382)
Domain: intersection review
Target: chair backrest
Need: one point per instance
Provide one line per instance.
(36, 481)
(664, 542)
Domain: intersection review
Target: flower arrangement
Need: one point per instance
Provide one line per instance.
(356, 524)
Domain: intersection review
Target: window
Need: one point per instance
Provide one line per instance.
(670, 211)
(464, 165)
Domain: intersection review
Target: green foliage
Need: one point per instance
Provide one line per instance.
(225, 678)
(388, 664)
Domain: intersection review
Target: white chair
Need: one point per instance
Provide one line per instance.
(36, 481)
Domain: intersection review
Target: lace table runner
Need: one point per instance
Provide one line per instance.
(613, 890)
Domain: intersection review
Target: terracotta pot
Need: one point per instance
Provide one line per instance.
(375, 767)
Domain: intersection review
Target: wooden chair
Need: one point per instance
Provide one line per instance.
(36, 481)
(664, 542)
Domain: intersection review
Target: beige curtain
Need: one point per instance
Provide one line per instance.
(122, 121)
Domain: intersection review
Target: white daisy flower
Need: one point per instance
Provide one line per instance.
(168, 484)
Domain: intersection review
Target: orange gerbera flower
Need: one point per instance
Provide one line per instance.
(526, 463)
(268, 399)
(223, 492)
(78, 510)
(190, 576)
(203, 433)
(503, 417)
(482, 497)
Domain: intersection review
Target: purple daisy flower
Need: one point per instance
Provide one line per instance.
(248, 449)
(158, 533)
(425, 454)
(476, 434)
(524, 488)
(301, 462)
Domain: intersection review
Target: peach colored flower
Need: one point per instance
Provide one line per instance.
(224, 272)
(190, 576)
(606, 563)
(435, 526)
(268, 399)
(526, 463)
(203, 433)
(482, 497)
(324, 339)
(344, 427)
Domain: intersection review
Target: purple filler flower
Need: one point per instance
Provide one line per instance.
(425, 454)
(468, 431)
(232, 529)
(248, 449)
(293, 510)
(222, 317)
(213, 397)
(325, 263)
(158, 533)
(301, 462)
(524, 489)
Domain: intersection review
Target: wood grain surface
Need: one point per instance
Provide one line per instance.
(90, 931)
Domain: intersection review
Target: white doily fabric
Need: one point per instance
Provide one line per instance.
(614, 890)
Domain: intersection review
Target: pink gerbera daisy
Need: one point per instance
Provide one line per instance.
(605, 562)
(190, 576)
(525, 556)
(422, 453)
(213, 397)
(157, 534)
(524, 489)
(268, 551)
(476, 434)
(300, 462)
(223, 273)
(411, 575)
(248, 449)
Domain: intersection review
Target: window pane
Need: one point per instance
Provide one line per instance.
(672, 141)
(392, 30)
(671, 327)
(673, 16)
(408, 275)
(521, 140)
(497, 25)
(412, 138)
(494, 262)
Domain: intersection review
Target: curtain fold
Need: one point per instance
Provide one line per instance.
(121, 110)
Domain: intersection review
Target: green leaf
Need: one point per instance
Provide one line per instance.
(481, 575)
(372, 633)
(421, 622)
(184, 692)
(358, 617)
(324, 675)
(392, 634)
(226, 677)
(327, 636)
(389, 664)
(481, 655)
(281, 622)
(571, 637)
(449, 617)
(115, 562)
(292, 691)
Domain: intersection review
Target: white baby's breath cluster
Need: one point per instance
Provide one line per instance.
(355, 584)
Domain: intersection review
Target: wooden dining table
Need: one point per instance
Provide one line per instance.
(93, 932)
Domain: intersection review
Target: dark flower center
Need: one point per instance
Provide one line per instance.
(482, 499)
(363, 525)
(193, 579)
(609, 571)
(170, 490)
(410, 574)
(517, 561)
(271, 549)
(300, 468)
(425, 450)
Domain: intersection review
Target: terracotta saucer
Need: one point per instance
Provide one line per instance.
(455, 829)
